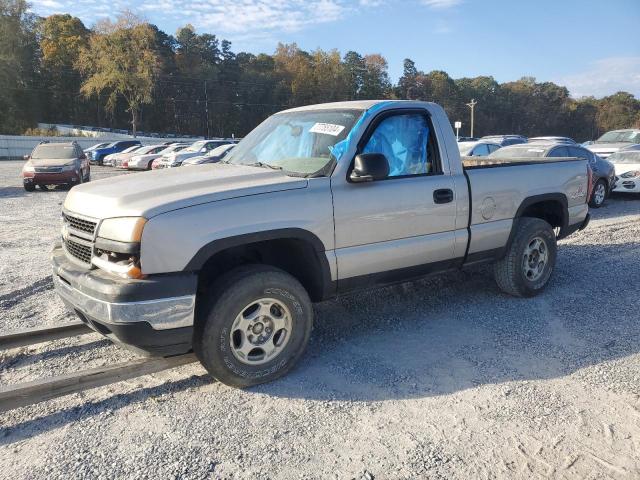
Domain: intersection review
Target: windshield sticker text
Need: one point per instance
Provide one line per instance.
(327, 129)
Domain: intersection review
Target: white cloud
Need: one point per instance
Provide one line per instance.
(441, 4)
(605, 77)
(248, 17)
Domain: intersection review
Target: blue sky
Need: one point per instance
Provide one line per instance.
(592, 47)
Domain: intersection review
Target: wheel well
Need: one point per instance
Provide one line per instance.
(295, 256)
(552, 211)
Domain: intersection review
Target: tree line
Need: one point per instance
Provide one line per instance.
(127, 73)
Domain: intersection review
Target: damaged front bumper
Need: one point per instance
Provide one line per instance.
(154, 315)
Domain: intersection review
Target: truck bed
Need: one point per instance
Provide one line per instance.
(470, 163)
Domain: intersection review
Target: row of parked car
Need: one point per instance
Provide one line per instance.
(132, 155)
(54, 164)
(614, 158)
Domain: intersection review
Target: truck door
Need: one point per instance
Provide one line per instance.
(404, 225)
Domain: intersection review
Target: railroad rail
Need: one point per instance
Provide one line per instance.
(30, 393)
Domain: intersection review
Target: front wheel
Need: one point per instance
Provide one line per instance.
(599, 194)
(526, 268)
(254, 326)
(29, 187)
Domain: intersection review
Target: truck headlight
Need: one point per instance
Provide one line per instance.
(122, 229)
(28, 168)
(118, 246)
(69, 167)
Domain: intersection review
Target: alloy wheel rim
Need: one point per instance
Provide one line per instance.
(599, 194)
(535, 259)
(261, 331)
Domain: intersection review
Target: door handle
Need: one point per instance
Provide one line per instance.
(444, 195)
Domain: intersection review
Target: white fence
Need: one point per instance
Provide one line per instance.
(14, 147)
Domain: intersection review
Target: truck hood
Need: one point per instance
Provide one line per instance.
(151, 193)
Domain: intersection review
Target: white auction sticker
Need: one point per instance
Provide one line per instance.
(327, 129)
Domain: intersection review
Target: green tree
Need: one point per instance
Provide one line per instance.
(18, 67)
(62, 37)
(121, 61)
(355, 69)
(376, 83)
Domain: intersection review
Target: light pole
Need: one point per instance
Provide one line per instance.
(472, 106)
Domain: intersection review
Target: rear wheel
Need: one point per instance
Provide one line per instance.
(254, 326)
(599, 194)
(527, 267)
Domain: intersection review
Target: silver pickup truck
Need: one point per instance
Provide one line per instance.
(317, 201)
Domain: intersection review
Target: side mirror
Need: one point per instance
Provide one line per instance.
(203, 150)
(368, 167)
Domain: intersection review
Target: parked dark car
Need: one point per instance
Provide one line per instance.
(51, 164)
(505, 140)
(97, 156)
(604, 176)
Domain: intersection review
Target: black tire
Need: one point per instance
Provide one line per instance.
(593, 203)
(29, 187)
(225, 301)
(510, 273)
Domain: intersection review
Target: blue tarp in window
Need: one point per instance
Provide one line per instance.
(403, 140)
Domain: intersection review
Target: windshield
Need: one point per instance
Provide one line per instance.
(54, 151)
(466, 147)
(196, 147)
(216, 152)
(147, 149)
(297, 142)
(518, 152)
(625, 157)
(172, 148)
(621, 136)
(130, 149)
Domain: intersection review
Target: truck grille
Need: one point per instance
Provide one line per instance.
(79, 251)
(48, 169)
(81, 224)
(79, 238)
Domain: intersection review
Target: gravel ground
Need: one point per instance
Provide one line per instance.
(442, 378)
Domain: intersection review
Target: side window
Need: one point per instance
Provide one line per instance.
(481, 150)
(493, 148)
(559, 152)
(405, 140)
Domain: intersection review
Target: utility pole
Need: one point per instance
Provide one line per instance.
(206, 107)
(472, 106)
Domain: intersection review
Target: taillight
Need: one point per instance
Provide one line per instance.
(589, 182)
